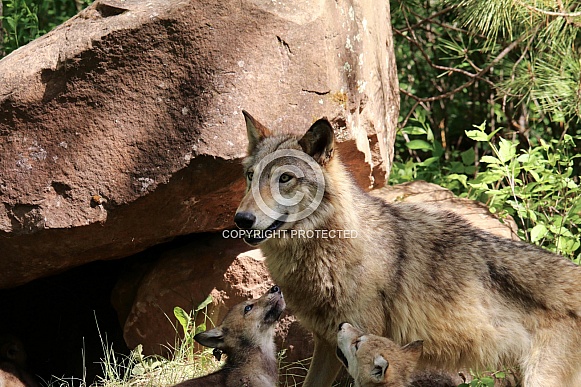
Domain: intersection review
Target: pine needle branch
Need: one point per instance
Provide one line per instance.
(474, 77)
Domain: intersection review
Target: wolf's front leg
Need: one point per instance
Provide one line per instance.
(324, 366)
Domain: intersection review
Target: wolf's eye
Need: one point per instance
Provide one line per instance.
(249, 175)
(285, 177)
(248, 308)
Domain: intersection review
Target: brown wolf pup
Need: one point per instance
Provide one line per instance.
(377, 361)
(246, 336)
(404, 271)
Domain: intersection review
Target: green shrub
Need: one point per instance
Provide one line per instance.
(537, 186)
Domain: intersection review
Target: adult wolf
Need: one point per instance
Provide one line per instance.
(407, 272)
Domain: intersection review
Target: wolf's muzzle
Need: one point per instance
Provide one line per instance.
(244, 220)
(277, 307)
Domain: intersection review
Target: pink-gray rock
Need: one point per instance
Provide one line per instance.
(121, 128)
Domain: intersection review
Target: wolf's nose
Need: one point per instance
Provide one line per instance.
(244, 220)
(275, 289)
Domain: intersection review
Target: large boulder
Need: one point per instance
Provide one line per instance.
(121, 128)
(475, 212)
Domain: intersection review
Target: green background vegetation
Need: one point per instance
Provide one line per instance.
(490, 108)
(26, 20)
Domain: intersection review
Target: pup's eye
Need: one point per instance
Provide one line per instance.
(248, 308)
(249, 175)
(356, 344)
(285, 177)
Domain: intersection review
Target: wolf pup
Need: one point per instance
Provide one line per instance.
(246, 336)
(377, 361)
(13, 367)
(403, 271)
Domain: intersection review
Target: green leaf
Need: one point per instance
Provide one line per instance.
(456, 167)
(138, 352)
(468, 156)
(538, 232)
(493, 133)
(507, 150)
(524, 158)
(200, 328)
(477, 135)
(138, 370)
(481, 127)
(567, 245)
(535, 175)
(429, 134)
(204, 303)
(490, 160)
(183, 318)
(487, 177)
(414, 130)
(438, 149)
(419, 144)
(487, 381)
(11, 22)
(429, 161)
(461, 178)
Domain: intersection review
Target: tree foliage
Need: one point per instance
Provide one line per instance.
(514, 65)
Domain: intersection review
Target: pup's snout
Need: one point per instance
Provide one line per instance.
(275, 289)
(341, 325)
(244, 220)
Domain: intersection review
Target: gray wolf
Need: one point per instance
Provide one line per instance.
(377, 361)
(246, 336)
(405, 271)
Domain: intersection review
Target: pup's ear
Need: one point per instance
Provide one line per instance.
(379, 368)
(415, 349)
(255, 131)
(319, 141)
(214, 338)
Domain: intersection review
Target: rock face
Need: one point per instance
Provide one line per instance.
(121, 128)
(475, 212)
(225, 268)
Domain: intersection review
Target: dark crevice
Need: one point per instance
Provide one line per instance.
(107, 10)
(284, 44)
(317, 92)
(61, 189)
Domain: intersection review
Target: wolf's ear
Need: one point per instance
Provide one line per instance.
(255, 131)
(415, 349)
(319, 141)
(214, 338)
(379, 368)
